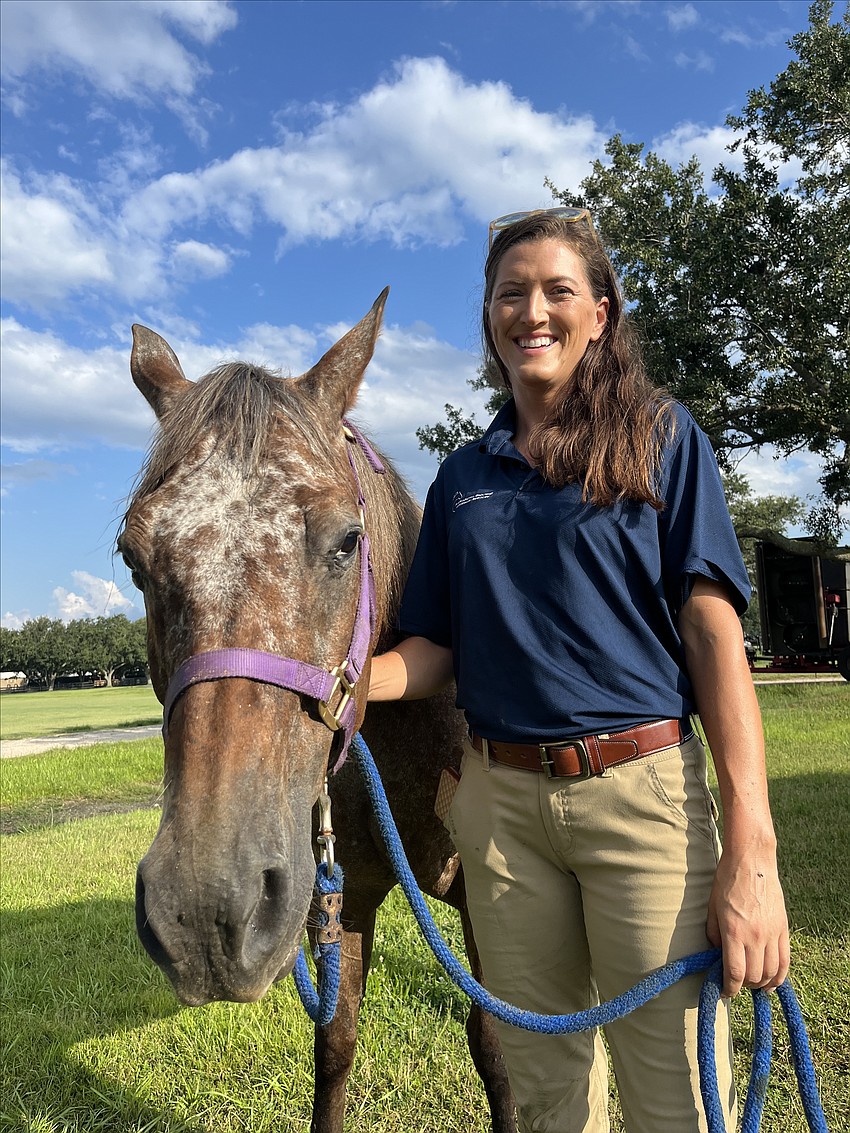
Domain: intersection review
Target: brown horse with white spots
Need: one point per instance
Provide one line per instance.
(243, 533)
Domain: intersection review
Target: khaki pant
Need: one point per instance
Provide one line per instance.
(578, 889)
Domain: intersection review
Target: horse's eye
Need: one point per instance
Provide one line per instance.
(349, 543)
(130, 564)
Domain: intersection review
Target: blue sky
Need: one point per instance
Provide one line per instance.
(246, 177)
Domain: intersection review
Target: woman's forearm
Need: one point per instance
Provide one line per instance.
(728, 710)
(414, 669)
(747, 911)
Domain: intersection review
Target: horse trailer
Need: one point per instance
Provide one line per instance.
(804, 608)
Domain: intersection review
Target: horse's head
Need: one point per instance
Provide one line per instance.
(243, 532)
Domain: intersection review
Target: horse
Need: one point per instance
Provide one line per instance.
(244, 531)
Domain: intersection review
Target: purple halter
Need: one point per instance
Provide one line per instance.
(333, 689)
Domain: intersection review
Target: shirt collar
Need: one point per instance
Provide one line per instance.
(497, 440)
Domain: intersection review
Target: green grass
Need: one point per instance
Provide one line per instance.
(94, 1040)
(40, 790)
(76, 710)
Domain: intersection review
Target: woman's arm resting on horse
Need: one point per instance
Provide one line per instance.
(746, 914)
(414, 669)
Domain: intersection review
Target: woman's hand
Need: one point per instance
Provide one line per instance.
(746, 918)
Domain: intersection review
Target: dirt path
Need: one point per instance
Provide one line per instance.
(9, 749)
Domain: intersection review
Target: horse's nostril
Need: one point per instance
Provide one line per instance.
(271, 906)
(273, 884)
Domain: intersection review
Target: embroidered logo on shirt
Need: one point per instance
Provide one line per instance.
(459, 499)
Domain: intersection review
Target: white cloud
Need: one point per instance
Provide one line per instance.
(590, 9)
(193, 260)
(797, 475)
(99, 598)
(61, 238)
(122, 47)
(773, 475)
(760, 37)
(634, 50)
(56, 395)
(698, 62)
(679, 19)
(407, 162)
(31, 471)
(403, 162)
(11, 620)
(409, 381)
(708, 143)
(49, 246)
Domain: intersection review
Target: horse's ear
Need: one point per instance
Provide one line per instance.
(336, 377)
(156, 370)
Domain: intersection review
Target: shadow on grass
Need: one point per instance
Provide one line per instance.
(46, 813)
(147, 720)
(74, 973)
(810, 815)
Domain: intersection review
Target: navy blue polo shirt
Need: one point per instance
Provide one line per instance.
(561, 615)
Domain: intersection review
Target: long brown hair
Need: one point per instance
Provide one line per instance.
(607, 426)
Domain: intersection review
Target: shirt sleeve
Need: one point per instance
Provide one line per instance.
(697, 536)
(426, 604)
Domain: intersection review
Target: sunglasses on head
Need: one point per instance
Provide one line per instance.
(561, 213)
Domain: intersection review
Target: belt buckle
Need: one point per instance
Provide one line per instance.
(586, 772)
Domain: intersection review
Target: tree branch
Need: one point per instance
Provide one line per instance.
(793, 546)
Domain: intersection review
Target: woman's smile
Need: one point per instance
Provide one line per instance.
(534, 343)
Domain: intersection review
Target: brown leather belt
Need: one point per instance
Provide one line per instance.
(590, 755)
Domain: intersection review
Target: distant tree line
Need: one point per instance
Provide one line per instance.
(97, 649)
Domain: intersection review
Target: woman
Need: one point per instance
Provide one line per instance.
(578, 575)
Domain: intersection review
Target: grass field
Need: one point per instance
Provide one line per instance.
(93, 1040)
(76, 710)
(44, 790)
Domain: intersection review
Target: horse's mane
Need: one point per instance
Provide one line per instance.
(241, 405)
(392, 519)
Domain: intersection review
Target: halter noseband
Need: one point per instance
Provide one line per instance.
(333, 689)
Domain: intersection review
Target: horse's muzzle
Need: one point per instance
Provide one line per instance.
(217, 941)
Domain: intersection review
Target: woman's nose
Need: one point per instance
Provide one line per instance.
(534, 311)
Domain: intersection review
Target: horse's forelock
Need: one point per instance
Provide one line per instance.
(238, 406)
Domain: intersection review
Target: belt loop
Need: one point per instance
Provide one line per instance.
(485, 752)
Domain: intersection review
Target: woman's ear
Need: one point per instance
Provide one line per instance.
(601, 318)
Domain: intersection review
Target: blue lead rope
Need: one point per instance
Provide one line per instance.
(762, 1052)
(321, 1007)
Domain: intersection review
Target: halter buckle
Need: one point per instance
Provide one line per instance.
(344, 689)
